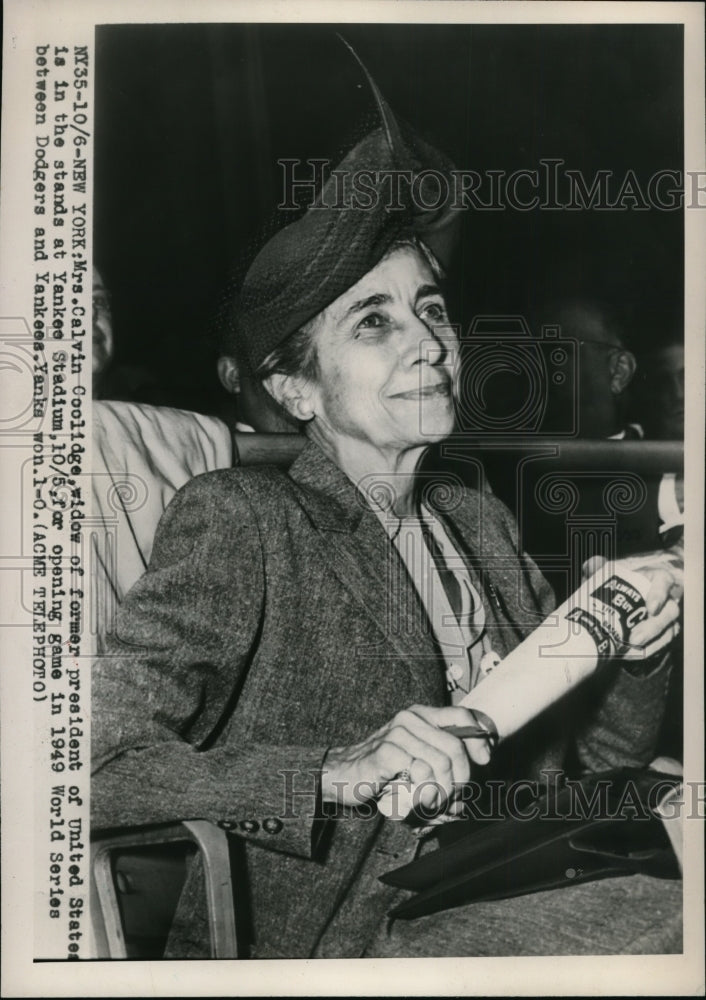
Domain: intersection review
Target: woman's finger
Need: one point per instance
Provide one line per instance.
(438, 761)
(388, 757)
(476, 749)
(423, 721)
(652, 627)
(591, 566)
(425, 789)
(661, 582)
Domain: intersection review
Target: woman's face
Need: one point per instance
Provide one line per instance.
(386, 355)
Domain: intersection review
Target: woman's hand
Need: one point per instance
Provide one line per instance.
(413, 740)
(665, 571)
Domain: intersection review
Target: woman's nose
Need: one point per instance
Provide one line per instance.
(429, 345)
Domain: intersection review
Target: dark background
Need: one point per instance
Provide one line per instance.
(191, 119)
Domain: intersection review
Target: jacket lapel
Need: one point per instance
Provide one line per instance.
(495, 565)
(359, 552)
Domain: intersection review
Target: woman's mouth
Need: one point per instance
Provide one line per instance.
(441, 388)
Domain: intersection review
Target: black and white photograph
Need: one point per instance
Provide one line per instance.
(355, 427)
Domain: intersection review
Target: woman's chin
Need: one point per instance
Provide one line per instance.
(441, 436)
(436, 423)
(435, 432)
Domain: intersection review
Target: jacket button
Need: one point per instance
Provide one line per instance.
(249, 825)
(228, 824)
(272, 825)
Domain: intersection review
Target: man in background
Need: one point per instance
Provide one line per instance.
(605, 370)
(592, 406)
(248, 406)
(246, 409)
(263, 433)
(662, 392)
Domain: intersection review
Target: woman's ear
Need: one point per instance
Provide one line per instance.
(622, 369)
(229, 374)
(293, 393)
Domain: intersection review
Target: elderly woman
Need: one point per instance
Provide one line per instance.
(301, 639)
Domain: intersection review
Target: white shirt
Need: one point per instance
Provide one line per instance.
(463, 641)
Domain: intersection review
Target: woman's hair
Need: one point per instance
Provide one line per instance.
(297, 354)
(294, 356)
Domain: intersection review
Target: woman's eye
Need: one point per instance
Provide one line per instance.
(373, 321)
(435, 312)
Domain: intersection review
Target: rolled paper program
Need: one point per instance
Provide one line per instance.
(592, 626)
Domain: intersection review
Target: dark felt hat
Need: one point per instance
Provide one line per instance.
(344, 234)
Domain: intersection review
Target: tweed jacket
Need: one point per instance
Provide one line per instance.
(276, 620)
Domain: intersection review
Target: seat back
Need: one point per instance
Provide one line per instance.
(141, 456)
(136, 881)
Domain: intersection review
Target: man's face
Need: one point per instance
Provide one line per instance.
(594, 370)
(102, 325)
(385, 356)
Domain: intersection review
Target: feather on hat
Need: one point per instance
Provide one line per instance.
(311, 262)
